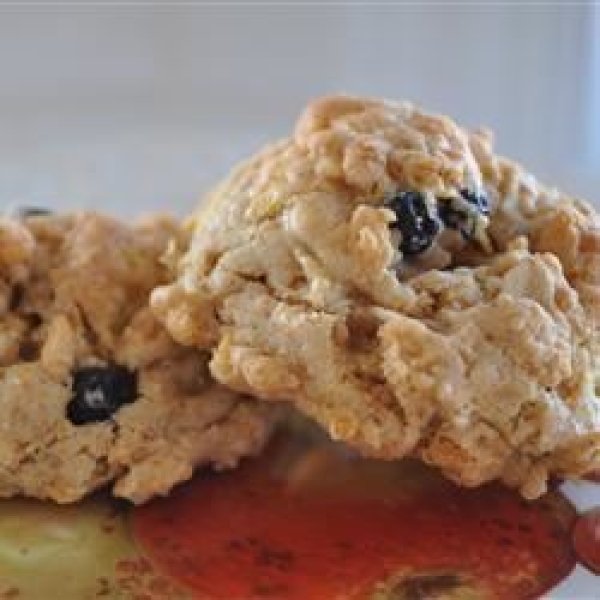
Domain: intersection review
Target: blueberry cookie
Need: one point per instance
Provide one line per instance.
(409, 290)
(92, 389)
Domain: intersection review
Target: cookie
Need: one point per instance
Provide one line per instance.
(415, 294)
(93, 391)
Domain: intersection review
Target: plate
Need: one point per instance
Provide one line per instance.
(306, 520)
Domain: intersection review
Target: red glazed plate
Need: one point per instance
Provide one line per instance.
(304, 521)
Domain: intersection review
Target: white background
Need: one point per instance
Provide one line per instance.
(132, 108)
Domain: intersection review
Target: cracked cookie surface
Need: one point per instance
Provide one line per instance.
(405, 287)
(92, 388)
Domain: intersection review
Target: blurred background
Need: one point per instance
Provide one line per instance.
(139, 106)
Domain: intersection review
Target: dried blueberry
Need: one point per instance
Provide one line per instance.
(98, 392)
(463, 213)
(452, 217)
(480, 201)
(25, 212)
(415, 222)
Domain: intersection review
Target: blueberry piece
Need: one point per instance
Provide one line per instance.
(415, 222)
(98, 392)
(480, 201)
(457, 216)
(25, 212)
(451, 217)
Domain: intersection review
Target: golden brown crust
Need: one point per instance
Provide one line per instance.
(478, 355)
(75, 292)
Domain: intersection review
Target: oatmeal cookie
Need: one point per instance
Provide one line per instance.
(409, 290)
(92, 388)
